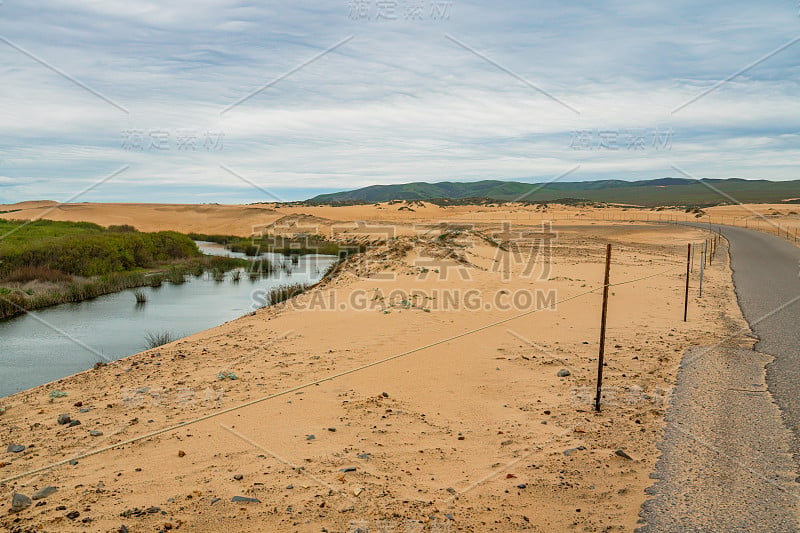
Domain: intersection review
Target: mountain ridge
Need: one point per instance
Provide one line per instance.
(658, 191)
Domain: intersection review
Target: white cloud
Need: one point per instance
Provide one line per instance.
(400, 102)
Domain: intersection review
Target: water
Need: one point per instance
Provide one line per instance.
(55, 342)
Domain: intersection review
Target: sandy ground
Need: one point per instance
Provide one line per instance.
(244, 220)
(427, 414)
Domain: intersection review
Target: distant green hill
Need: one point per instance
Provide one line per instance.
(662, 191)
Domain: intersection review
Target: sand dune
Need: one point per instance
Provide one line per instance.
(422, 412)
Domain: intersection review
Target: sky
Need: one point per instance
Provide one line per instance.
(233, 101)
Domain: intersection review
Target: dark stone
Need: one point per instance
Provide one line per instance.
(72, 515)
(621, 453)
(563, 373)
(15, 448)
(63, 419)
(238, 477)
(96, 433)
(311, 437)
(245, 499)
(74, 423)
(348, 469)
(522, 486)
(44, 492)
(19, 502)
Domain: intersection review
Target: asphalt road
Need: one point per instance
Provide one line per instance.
(730, 449)
(766, 272)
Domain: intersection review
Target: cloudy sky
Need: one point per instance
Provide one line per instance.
(234, 101)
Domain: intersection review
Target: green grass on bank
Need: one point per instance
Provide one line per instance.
(311, 244)
(45, 262)
(84, 249)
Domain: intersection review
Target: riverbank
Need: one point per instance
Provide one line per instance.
(410, 390)
(45, 263)
(46, 288)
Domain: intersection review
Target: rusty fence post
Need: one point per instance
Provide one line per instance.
(603, 331)
(686, 294)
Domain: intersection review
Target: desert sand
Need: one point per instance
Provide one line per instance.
(243, 220)
(418, 389)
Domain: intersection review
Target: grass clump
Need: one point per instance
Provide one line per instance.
(154, 339)
(140, 296)
(286, 292)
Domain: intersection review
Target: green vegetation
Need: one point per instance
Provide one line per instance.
(310, 244)
(45, 262)
(86, 249)
(286, 292)
(140, 296)
(664, 191)
(154, 339)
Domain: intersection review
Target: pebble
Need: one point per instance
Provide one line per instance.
(563, 373)
(573, 450)
(74, 423)
(215, 500)
(72, 515)
(332, 430)
(348, 469)
(44, 492)
(63, 419)
(238, 477)
(96, 433)
(522, 486)
(245, 499)
(73, 462)
(364, 456)
(19, 502)
(385, 394)
(15, 448)
(311, 437)
(621, 453)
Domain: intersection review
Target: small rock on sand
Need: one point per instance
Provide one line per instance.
(563, 373)
(245, 499)
(238, 477)
(19, 502)
(96, 433)
(44, 492)
(15, 448)
(63, 419)
(621, 453)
